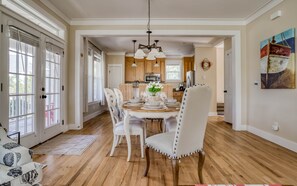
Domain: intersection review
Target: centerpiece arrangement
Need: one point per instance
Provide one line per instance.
(153, 88)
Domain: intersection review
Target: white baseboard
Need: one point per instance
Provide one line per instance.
(90, 116)
(241, 128)
(212, 114)
(73, 127)
(273, 138)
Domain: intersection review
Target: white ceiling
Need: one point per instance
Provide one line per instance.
(163, 9)
(110, 10)
(180, 45)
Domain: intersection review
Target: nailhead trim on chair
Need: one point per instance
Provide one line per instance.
(174, 156)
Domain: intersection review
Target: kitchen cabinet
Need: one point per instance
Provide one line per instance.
(188, 65)
(143, 67)
(150, 67)
(178, 95)
(134, 73)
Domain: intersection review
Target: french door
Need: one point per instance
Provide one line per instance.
(32, 101)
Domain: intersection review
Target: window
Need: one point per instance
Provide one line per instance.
(173, 72)
(53, 84)
(95, 77)
(22, 60)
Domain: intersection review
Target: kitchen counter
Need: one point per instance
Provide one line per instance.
(129, 92)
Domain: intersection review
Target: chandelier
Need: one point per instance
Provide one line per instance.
(155, 51)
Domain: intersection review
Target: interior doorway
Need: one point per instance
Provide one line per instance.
(115, 75)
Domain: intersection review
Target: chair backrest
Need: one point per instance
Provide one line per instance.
(192, 120)
(112, 105)
(119, 97)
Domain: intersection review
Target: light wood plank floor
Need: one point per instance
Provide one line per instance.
(231, 157)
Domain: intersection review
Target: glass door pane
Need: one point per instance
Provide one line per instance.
(52, 88)
(22, 60)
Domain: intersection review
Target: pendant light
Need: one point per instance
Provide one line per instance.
(134, 64)
(155, 50)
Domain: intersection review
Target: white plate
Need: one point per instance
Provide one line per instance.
(133, 104)
(134, 100)
(155, 108)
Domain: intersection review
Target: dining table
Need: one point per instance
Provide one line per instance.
(139, 111)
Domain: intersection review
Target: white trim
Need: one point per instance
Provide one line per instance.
(197, 45)
(212, 114)
(189, 55)
(116, 53)
(237, 66)
(274, 138)
(236, 84)
(91, 116)
(53, 8)
(188, 21)
(262, 11)
(156, 21)
(74, 127)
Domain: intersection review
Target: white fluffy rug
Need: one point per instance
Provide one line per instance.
(66, 144)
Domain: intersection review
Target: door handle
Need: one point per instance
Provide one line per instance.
(43, 97)
(225, 91)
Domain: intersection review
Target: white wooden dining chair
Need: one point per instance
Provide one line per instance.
(189, 135)
(136, 127)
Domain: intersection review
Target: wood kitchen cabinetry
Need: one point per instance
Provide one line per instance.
(134, 73)
(143, 67)
(188, 65)
(178, 95)
(150, 67)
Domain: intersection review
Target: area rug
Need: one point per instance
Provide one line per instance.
(65, 144)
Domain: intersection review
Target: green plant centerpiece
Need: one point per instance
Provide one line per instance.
(153, 88)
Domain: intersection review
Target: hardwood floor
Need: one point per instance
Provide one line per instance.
(231, 157)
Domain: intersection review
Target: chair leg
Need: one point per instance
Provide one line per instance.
(118, 140)
(160, 125)
(147, 156)
(200, 165)
(142, 145)
(114, 144)
(175, 170)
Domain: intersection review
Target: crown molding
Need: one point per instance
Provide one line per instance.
(189, 21)
(53, 8)
(116, 53)
(262, 11)
(207, 45)
(189, 55)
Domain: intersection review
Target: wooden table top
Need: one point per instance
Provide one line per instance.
(139, 108)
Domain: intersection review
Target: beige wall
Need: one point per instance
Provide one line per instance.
(264, 106)
(208, 77)
(220, 74)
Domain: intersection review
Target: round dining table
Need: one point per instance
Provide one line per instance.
(139, 111)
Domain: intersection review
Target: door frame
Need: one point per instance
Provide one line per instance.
(236, 57)
(114, 65)
(36, 137)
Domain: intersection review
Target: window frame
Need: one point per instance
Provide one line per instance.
(96, 58)
(174, 62)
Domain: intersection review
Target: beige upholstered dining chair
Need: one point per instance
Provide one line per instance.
(137, 127)
(189, 135)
